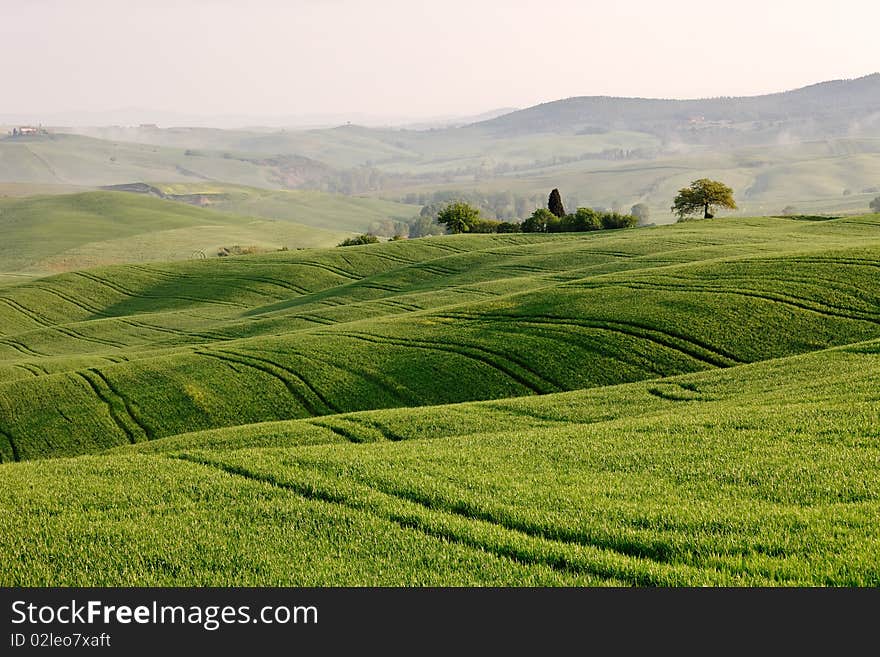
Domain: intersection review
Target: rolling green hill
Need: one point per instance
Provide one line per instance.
(46, 234)
(326, 211)
(683, 405)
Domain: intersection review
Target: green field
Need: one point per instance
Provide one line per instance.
(324, 211)
(49, 234)
(683, 405)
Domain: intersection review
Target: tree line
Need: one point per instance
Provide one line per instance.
(702, 196)
(461, 217)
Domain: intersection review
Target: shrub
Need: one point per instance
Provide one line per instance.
(537, 223)
(611, 220)
(365, 238)
(585, 219)
(485, 226)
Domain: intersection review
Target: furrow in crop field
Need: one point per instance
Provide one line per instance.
(117, 415)
(474, 353)
(29, 314)
(171, 331)
(155, 273)
(13, 448)
(673, 392)
(404, 395)
(344, 432)
(277, 282)
(293, 387)
(654, 551)
(709, 353)
(444, 246)
(296, 375)
(372, 423)
(685, 345)
(30, 369)
(524, 269)
(379, 286)
(338, 271)
(130, 408)
(514, 544)
(506, 355)
(76, 335)
(437, 270)
(116, 287)
(79, 303)
(315, 319)
(21, 347)
(392, 257)
(398, 305)
(802, 304)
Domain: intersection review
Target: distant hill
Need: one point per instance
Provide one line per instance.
(50, 234)
(827, 109)
(319, 209)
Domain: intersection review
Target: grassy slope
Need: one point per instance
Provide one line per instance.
(144, 352)
(77, 160)
(312, 208)
(762, 473)
(47, 234)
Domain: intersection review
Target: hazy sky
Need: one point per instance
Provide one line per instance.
(416, 58)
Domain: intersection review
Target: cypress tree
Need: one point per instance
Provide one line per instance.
(554, 204)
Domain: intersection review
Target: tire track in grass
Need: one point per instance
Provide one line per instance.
(22, 348)
(162, 297)
(378, 381)
(592, 345)
(171, 331)
(275, 281)
(330, 268)
(130, 408)
(384, 255)
(12, 445)
(461, 351)
(27, 368)
(437, 270)
(655, 553)
(398, 305)
(379, 286)
(76, 335)
(802, 304)
(370, 423)
(116, 415)
(479, 534)
(30, 314)
(294, 391)
(296, 375)
(156, 273)
(809, 260)
(448, 248)
(315, 319)
(504, 356)
(39, 368)
(349, 435)
(693, 348)
(82, 305)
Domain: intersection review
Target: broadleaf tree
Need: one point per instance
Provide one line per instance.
(704, 196)
(458, 217)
